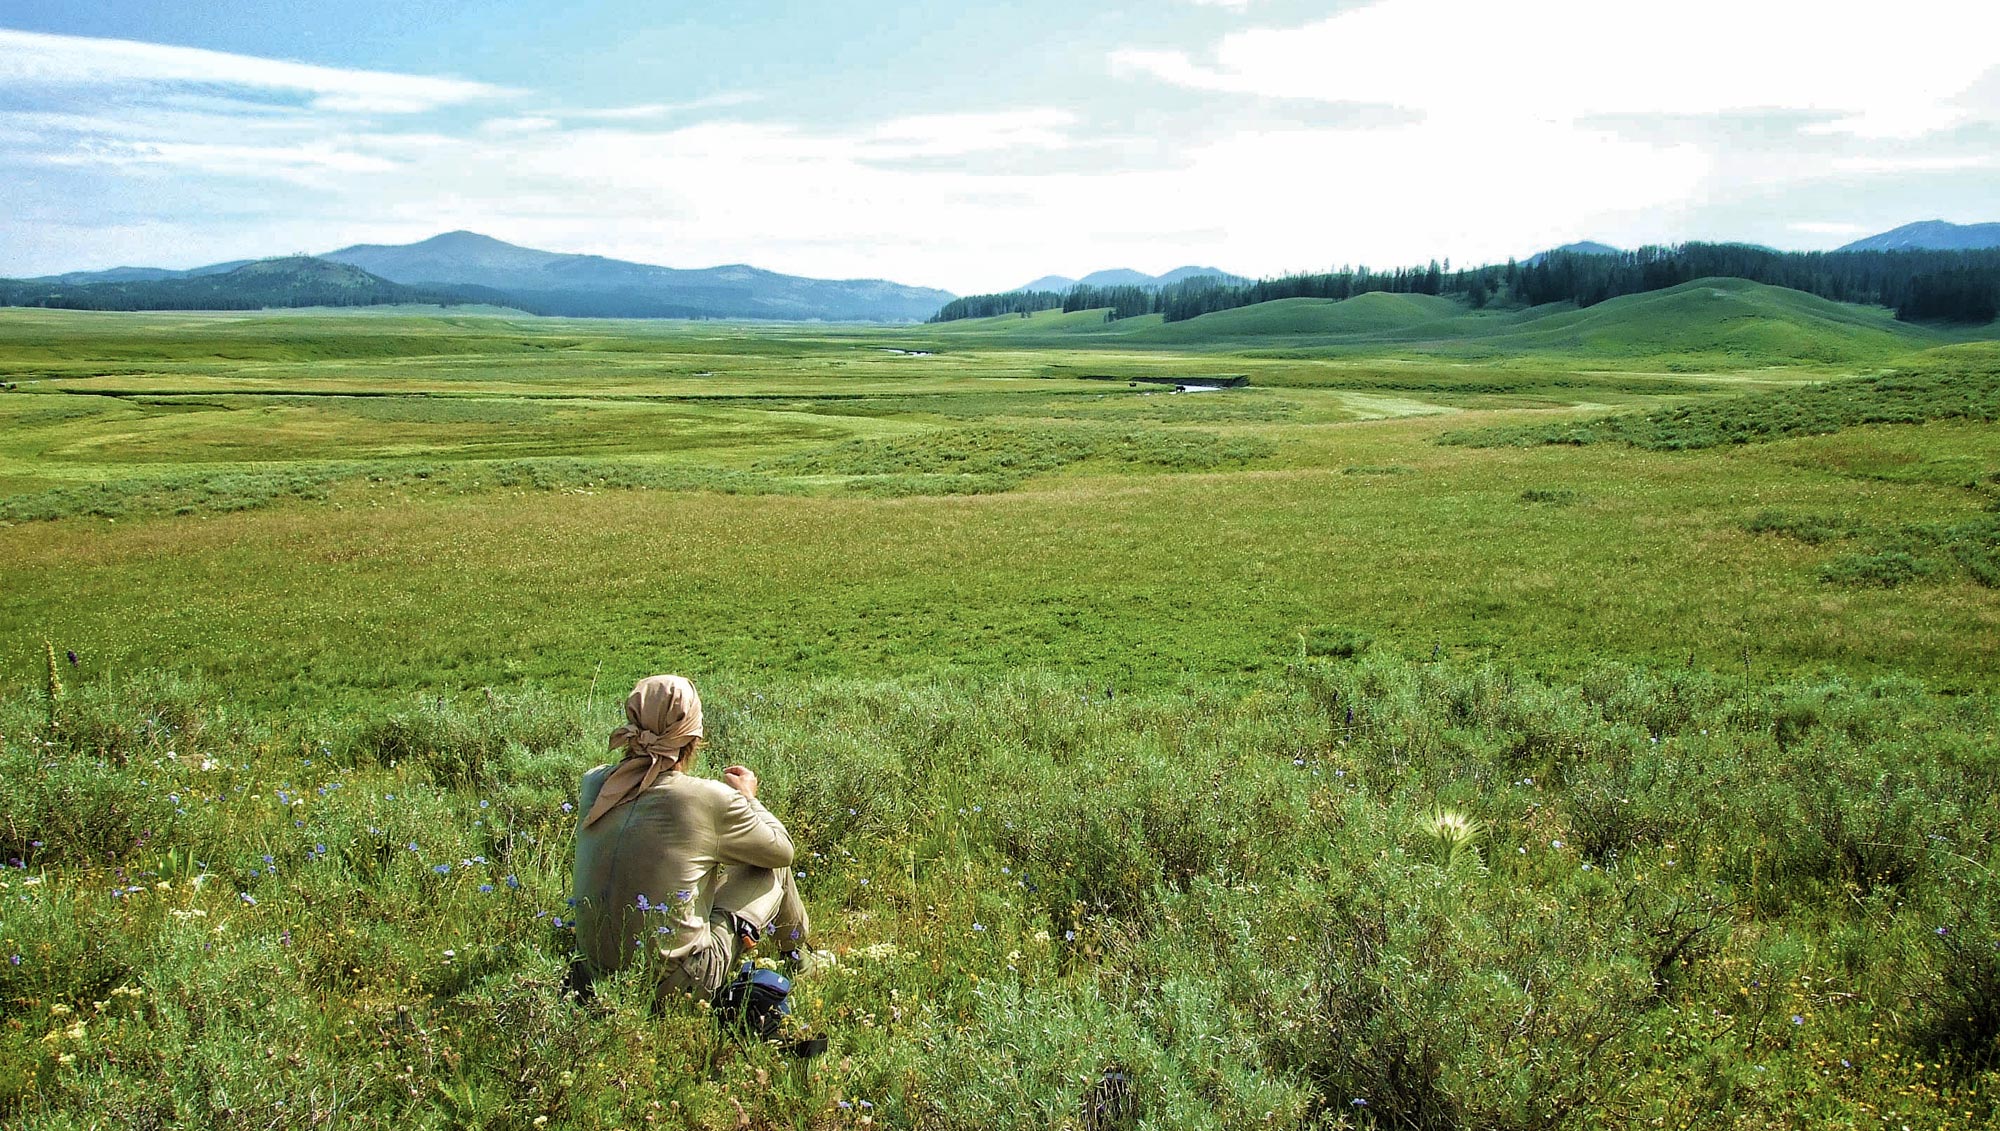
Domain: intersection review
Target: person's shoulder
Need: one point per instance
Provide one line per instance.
(707, 788)
(592, 784)
(707, 793)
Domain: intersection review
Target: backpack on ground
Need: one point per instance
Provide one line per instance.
(756, 1001)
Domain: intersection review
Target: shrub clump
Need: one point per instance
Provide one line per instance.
(1553, 496)
(1966, 387)
(1885, 570)
(456, 745)
(1811, 529)
(1333, 642)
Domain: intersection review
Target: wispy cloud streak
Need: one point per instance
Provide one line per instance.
(37, 60)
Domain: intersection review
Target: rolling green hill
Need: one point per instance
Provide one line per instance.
(1043, 323)
(1371, 314)
(1714, 320)
(1729, 317)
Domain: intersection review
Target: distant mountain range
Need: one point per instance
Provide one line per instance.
(1931, 235)
(137, 274)
(1592, 247)
(1924, 235)
(289, 282)
(468, 267)
(1126, 277)
(1581, 247)
(548, 282)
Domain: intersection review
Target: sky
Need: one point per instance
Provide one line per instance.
(976, 147)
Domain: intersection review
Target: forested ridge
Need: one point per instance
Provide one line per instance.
(989, 306)
(1942, 286)
(295, 281)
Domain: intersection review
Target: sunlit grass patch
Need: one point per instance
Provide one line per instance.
(1025, 451)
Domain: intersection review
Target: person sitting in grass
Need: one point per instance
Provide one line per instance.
(685, 872)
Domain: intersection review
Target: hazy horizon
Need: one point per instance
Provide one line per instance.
(974, 151)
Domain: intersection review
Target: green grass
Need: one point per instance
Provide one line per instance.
(1003, 456)
(1711, 319)
(1368, 314)
(1693, 898)
(1959, 383)
(1115, 724)
(1702, 325)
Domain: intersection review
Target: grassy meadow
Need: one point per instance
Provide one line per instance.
(1513, 719)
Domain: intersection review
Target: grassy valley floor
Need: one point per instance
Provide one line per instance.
(1506, 719)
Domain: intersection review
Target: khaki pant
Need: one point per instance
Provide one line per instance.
(764, 898)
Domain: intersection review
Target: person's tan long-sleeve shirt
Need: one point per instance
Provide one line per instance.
(646, 872)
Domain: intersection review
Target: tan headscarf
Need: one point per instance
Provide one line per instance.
(662, 719)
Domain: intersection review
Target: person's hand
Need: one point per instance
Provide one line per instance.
(742, 779)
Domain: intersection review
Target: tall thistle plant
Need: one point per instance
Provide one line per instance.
(55, 686)
(1454, 838)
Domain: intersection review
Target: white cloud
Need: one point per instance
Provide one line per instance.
(952, 135)
(649, 110)
(1569, 59)
(1539, 121)
(32, 59)
(1915, 163)
(300, 162)
(823, 204)
(527, 123)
